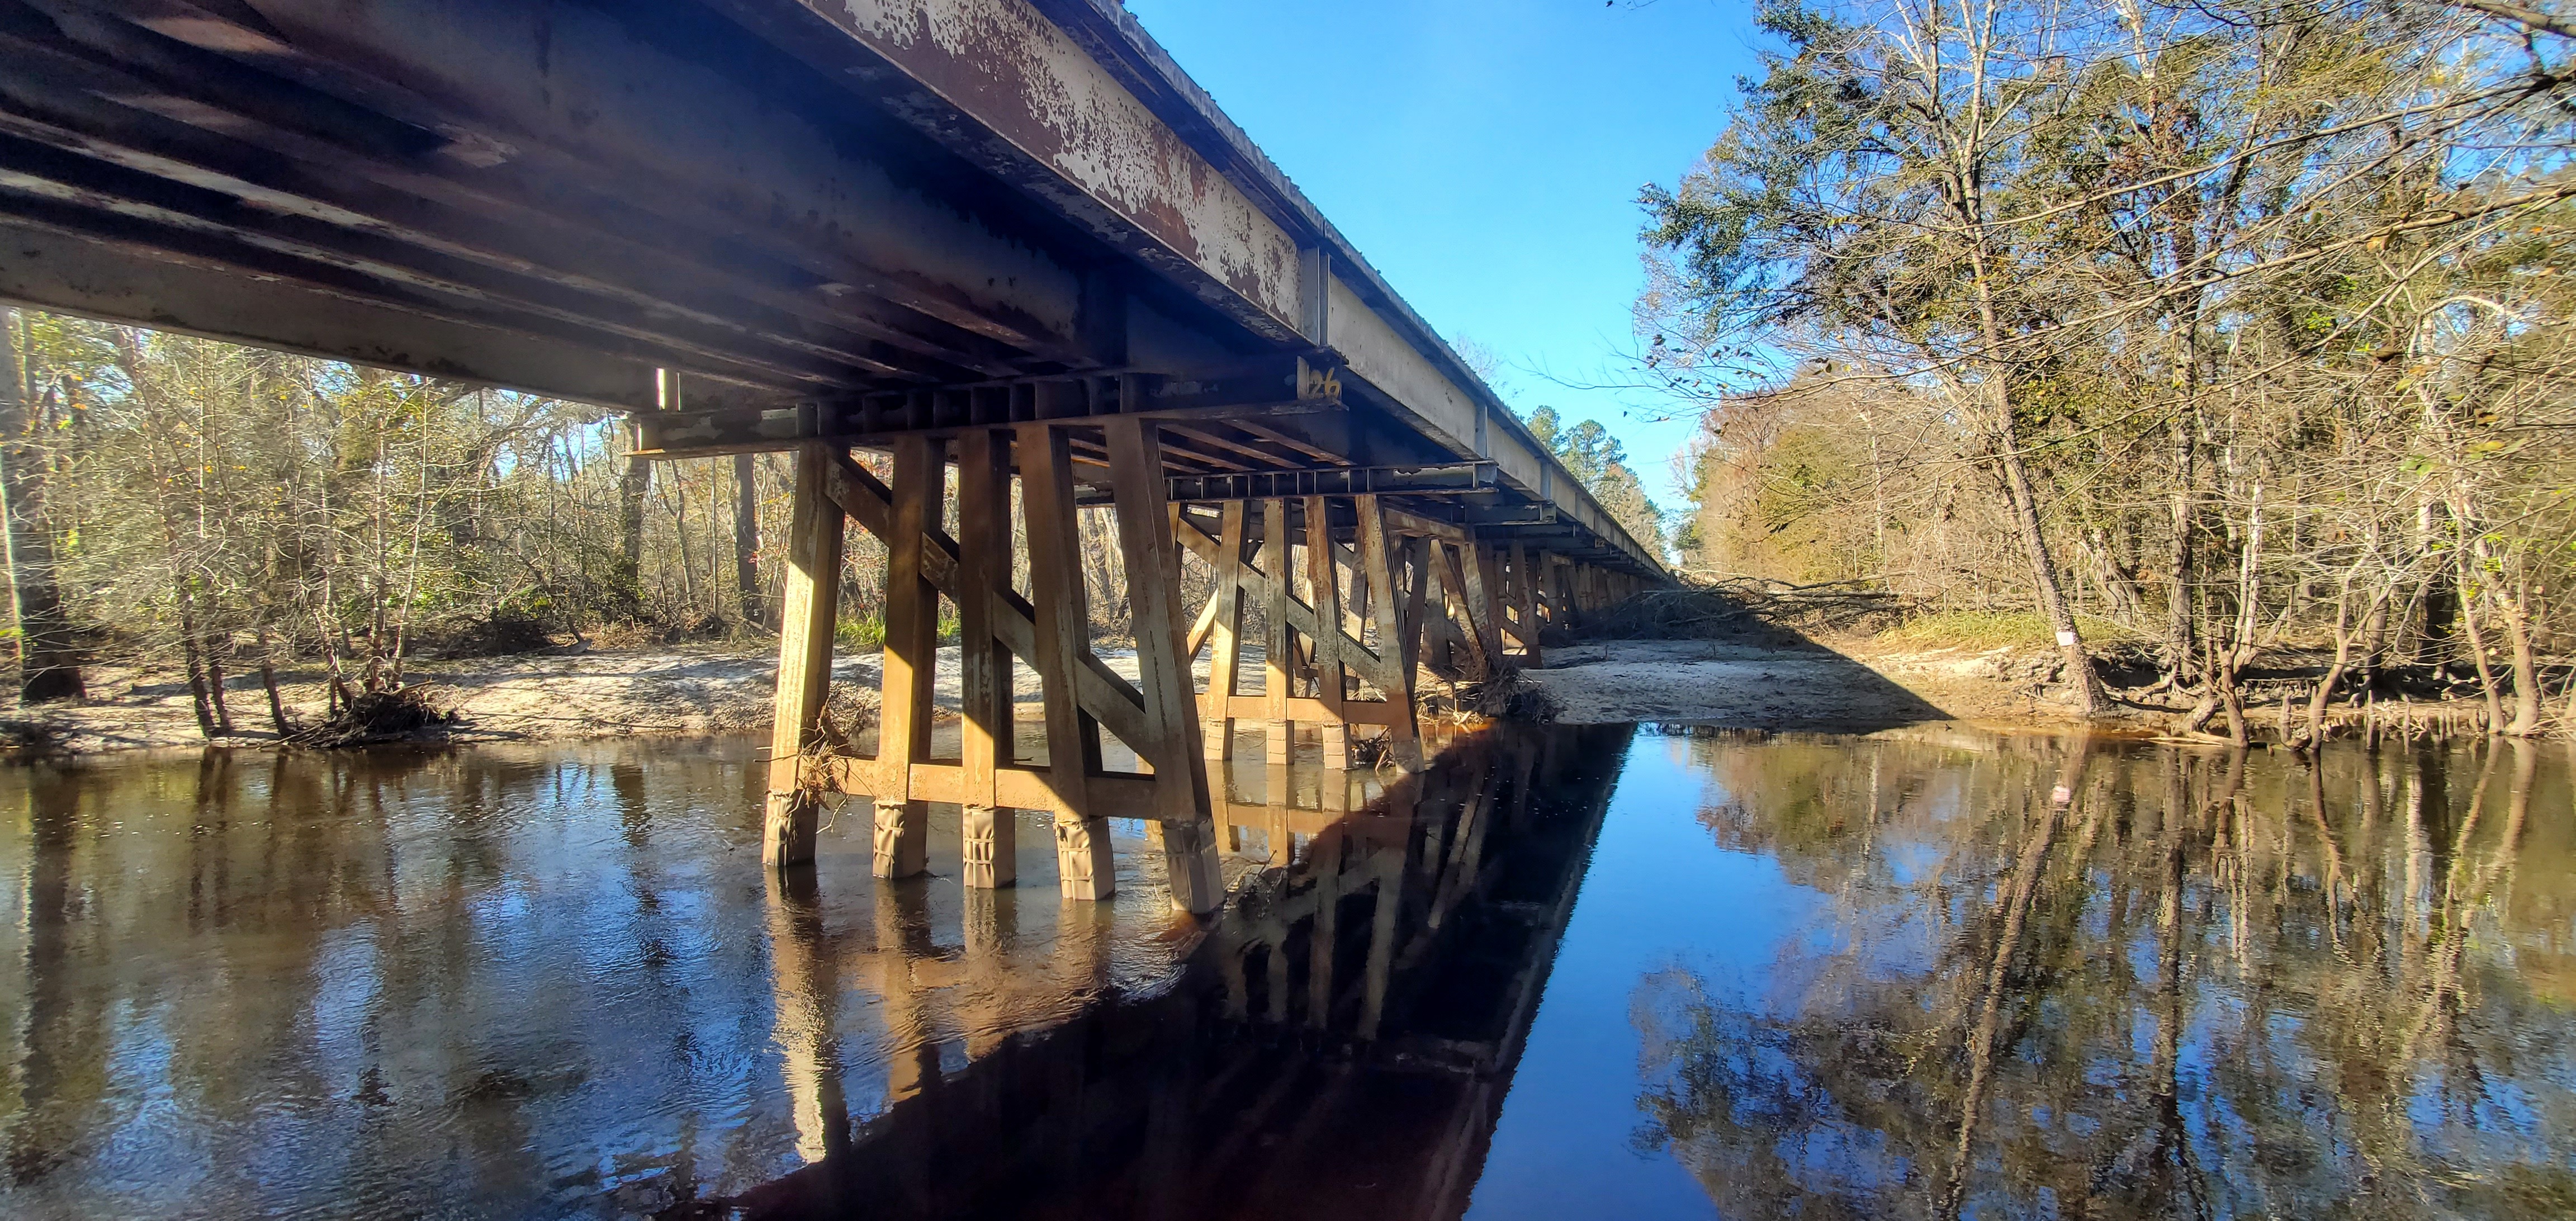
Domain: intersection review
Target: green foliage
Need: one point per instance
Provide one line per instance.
(868, 631)
(860, 631)
(1598, 461)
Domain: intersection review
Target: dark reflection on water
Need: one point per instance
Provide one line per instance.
(1919, 974)
(1339, 1045)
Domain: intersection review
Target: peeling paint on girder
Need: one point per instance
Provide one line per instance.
(1015, 72)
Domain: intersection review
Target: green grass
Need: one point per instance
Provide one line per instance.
(1974, 629)
(868, 631)
(860, 633)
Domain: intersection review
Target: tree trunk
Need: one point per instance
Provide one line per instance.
(196, 666)
(746, 537)
(268, 683)
(2526, 665)
(2050, 592)
(337, 690)
(2344, 633)
(2178, 635)
(2120, 595)
(2045, 587)
(215, 645)
(2434, 645)
(628, 578)
(2567, 720)
(2478, 653)
(632, 488)
(2374, 653)
(688, 566)
(48, 656)
(2232, 701)
(2198, 714)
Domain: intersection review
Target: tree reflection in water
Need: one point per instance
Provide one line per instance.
(2129, 981)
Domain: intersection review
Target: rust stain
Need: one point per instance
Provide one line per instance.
(1006, 64)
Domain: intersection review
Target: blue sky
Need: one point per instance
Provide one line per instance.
(1486, 156)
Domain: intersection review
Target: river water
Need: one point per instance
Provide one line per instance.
(1597, 972)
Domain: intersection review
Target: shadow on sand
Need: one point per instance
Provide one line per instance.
(1719, 658)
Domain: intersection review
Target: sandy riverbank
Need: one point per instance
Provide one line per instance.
(718, 689)
(1849, 686)
(609, 693)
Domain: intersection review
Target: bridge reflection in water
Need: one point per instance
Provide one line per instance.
(537, 980)
(1338, 1043)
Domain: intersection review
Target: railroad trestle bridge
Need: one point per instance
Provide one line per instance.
(1007, 244)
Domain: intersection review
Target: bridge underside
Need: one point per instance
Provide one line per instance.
(1006, 237)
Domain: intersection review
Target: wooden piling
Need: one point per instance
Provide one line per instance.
(1225, 633)
(1526, 603)
(1401, 588)
(1476, 575)
(1278, 650)
(1171, 745)
(1393, 665)
(808, 609)
(909, 671)
(1084, 866)
(1331, 672)
(991, 841)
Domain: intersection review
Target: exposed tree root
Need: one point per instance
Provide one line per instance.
(375, 717)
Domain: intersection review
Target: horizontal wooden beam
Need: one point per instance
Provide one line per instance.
(82, 273)
(528, 170)
(1408, 523)
(1057, 125)
(1304, 709)
(299, 156)
(1113, 794)
(1019, 788)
